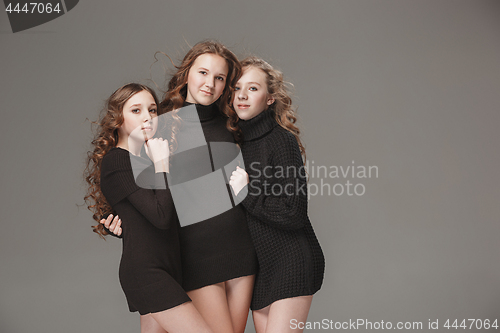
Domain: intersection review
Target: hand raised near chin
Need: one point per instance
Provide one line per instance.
(158, 151)
(238, 180)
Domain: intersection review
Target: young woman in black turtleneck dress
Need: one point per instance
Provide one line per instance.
(218, 258)
(291, 263)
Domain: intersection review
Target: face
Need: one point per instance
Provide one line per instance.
(206, 79)
(251, 97)
(139, 117)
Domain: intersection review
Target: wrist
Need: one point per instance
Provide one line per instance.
(161, 166)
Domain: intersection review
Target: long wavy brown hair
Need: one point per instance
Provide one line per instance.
(105, 138)
(176, 93)
(285, 113)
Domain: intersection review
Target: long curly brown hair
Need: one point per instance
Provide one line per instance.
(105, 138)
(285, 113)
(176, 93)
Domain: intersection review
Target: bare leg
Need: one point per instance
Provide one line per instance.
(150, 325)
(280, 313)
(239, 295)
(211, 302)
(183, 318)
(260, 319)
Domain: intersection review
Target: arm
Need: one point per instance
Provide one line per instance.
(152, 198)
(285, 207)
(156, 205)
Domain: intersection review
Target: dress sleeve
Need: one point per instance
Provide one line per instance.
(281, 200)
(152, 199)
(156, 205)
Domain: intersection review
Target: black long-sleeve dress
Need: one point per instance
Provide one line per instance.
(291, 261)
(150, 268)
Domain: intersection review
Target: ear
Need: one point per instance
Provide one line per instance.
(270, 100)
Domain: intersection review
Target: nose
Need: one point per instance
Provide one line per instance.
(147, 117)
(242, 94)
(209, 83)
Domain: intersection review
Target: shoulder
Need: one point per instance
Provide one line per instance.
(283, 146)
(281, 139)
(115, 158)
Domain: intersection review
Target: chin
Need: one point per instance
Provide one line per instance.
(205, 100)
(242, 116)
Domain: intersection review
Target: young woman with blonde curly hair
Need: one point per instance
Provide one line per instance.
(291, 262)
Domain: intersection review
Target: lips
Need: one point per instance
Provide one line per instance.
(243, 106)
(208, 93)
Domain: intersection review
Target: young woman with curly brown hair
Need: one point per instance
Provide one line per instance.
(150, 268)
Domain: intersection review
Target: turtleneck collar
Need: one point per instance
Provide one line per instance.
(205, 112)
(258, 126)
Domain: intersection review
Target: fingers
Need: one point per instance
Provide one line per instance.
(157, 140)
(238, 173)
(107, 221)
(112, 226)
(157, 145)
(119, 230)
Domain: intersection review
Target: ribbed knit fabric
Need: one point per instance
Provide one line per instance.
(219, 248)
(150, 268)
(291, 261)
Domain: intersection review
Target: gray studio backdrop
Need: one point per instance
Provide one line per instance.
(408, 87)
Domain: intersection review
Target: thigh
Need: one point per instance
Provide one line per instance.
(283, 311)
(211, 302)
(150, 325)
(183, 318)
(239, 295)
(260, 319)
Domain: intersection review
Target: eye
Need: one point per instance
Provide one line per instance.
(253, 88)
(136, 111)
(236, 88)
(220, 78)
(202, 72)
(152, 110)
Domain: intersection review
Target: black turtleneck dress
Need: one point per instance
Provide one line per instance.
(219, 248)
(150, 268)
(291, 261)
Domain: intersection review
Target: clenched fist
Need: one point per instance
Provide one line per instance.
(158, 151)
(238, 180)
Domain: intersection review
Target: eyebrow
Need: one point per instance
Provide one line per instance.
(139, 104)
(257, 83)
(220, 74)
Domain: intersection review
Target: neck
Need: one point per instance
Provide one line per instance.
(205, 112)
(132, 146)
(258, 126)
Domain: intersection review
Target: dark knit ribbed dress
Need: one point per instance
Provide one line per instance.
(219, 248)
(291, 261)
(150, 268)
